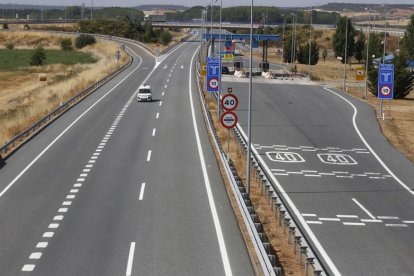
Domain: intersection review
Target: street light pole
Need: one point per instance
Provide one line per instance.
(310, 44)
(346, 51)
(283, 37)
(249, 117)
(367, 59)
(91, 9)
(220, 70)
(385, 39)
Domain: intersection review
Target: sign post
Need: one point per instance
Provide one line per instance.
(229, 119)
(385, 84)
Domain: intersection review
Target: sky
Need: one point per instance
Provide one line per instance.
(189, 3)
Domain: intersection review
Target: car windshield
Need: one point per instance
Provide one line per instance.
(144, 91)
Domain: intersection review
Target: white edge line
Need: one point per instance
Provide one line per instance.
(295, 210)
(368, 146)
(130, 259)
(363, 208)
(219, 232)
(141, 193)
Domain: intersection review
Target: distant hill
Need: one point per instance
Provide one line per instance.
(162, 7)
(360, 7)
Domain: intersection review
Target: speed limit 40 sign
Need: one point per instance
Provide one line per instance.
(229, 102)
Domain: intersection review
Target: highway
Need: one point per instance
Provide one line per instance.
(120, 187)
(350, 191)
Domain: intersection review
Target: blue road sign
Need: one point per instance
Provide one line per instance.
(386, 82)
(213, 74)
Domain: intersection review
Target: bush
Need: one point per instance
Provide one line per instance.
(165, 38)
(66, 44)
(5, 26)
(84, 40)
(38, 57)
(9, 46)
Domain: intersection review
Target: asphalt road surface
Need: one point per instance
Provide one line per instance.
(117, 187)
(351, 192)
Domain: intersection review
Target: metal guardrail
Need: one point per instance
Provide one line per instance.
(21, 138)
(299, 241)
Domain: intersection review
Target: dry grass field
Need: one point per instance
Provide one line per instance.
(24, 99)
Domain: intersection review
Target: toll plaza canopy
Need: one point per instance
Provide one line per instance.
(256, 37)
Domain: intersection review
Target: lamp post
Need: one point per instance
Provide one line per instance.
(385, 5)
(367, 59)
(293, 48)
(220, 70)
(283, 36)
(91, 9)
(346, 51)
(310, 44)
(249, 116)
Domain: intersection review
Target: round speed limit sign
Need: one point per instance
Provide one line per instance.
(385, 90)
(229, 102)
(213, 83)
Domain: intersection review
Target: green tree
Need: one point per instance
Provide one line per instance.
(38, 56)
(375, 48)
(66, 44)
(339, 39)
(360, 47)
(165, 38)
(149, 34)
(403, 78)
(324, 55)
(287, 49)
(303, 54)
(408, 40)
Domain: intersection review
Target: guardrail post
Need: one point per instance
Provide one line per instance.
(296, 242)
(308, 263)
(303, 251)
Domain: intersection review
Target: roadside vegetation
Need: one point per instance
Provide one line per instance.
(24, 98)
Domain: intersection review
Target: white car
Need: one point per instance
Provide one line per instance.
(144, 93)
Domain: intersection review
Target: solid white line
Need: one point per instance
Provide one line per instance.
(63, 132)
(153, 132)
(141, 193)
(363, 208)
(149, 156)
(130, 259)
(219, 232)
(354, 223)
(369, 147)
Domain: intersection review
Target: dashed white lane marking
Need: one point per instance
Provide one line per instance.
(347, 216)
(54, 225)
(308, 215)
(28, 267)
(371, 220)
(153, 132)
(48, 234)
(149, 155)
(314, 222)
(396, 225)
(141, 193)
(74, 191)
(163, 93)
(354, 223)
(67, 203)
(363, 208)
(387, 217)
(157, 116)
(130, 259)
(160, 103)
(60, 217)
(329, 219)
(35, 255)
(41, 244)
(77, 185)
(168, 80)
(408, 221)
(166, 86)
(63, 210)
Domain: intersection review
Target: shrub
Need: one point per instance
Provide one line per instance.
(9, 46)
(5, 26)
(38, 57)
(66, 44)
(84, 40)
(165, 38)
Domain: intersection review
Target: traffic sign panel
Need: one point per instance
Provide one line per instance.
(229, 102)
(229, 119)
(386, 81)
(213, 83)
